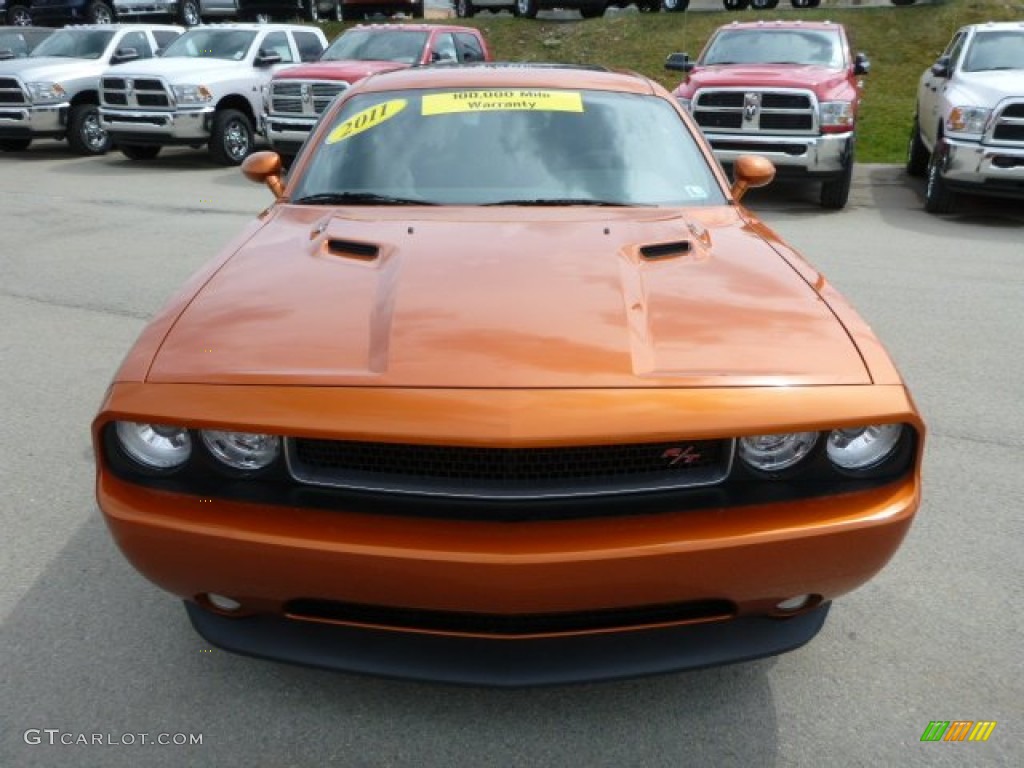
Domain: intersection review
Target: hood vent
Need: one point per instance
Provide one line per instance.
(665, 250)
(353, 249)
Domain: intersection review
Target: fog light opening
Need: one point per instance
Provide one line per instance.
(797, 604)
(221, 603)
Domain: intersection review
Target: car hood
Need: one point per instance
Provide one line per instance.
(985, 89)
(51, 68)
(179, 68)
(499, 297)
(775, 76)
(350, 71)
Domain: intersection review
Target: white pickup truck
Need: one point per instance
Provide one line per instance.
(968, 130)
(205, 89)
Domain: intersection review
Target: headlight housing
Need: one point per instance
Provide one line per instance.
(774, 453)
(859, 448)
(154, 446)
(836, 114)
(968, 120)
(192, 94)
(45, 92)
(243, 451)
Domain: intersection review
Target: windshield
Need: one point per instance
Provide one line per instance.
(995, 50)
(364, 45)
(821, 48)
(230, 44)
(74, 44)
(508, 147)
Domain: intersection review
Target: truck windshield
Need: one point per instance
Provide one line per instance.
(74, 44)
(364, 45)
(809, 47)
(230, 44)
(517, 146)
(995, 50)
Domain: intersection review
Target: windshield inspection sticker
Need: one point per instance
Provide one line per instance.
(367, 119)
(485, 101)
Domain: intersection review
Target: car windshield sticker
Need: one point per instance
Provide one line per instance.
(484, 101)
(367, 119)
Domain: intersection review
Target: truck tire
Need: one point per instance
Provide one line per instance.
(140, 151)
(188, 13)
(19, 16)
(763, 5)
(465, 9)
(526, 9)
(917, 152)
(835, 192)
(99, 12)
(311, 10)
(85, 135)
(805, 3)
(938, 198)
(675, 6)
(592, 11)
(14, 145)
(649, 6)
(231, 137)
(736, 5)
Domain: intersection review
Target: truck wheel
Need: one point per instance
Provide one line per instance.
(527, 9)
(231, 137)
(465, 9)
(19, 16)
(140, 151)
(736, 5)
(189, 13)
(85, 134)
(917, 152)
(99, 13)
(938, 198)
(14, 145)
(649, 6)
(835, 192)
(903, 2)
(592, 11)
(311, 10)
(763, 5)
(675, 6)
(805, 3)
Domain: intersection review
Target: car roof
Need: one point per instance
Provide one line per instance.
(508, 75)
(118, 27)
(257, 27)
(780, 24)
(999, 26)
(415, 28)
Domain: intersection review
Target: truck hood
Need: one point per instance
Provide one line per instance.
(507, 297)
(182, 69)
(985, 89)
(817, 79)
(52, 68)
(349, 70)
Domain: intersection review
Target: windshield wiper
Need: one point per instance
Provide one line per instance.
(557, 201)
(365, 198)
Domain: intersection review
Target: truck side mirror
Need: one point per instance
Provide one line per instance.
(679, 62)
(121, 55)
(266, 59)
(750, 171)
(6, 53)
(941, 67)
(861, 65)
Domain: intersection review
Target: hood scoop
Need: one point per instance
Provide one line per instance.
(657, 251)
(353, 249)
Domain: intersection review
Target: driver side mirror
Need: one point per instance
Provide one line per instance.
(941, 67)
(121, 55)
(679, 62)
(750, 171)
(266, 58)
(861, 65)
(6, 53)
(265, 168)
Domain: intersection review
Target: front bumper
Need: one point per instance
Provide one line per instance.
(983, 169)
(138, 126)
(287, 134)
(33, 121)
(813, 156)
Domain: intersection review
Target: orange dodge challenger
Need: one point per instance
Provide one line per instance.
(507, 388)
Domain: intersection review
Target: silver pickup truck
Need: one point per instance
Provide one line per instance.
(189, 13)
(205, 89)
(54, 91)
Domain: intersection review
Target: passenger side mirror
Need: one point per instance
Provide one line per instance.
(861, 65)
(265, 168)
(6, 53)
(679, 62)
(750, 171)
(266, 58)
(121, 55)
(941, 67)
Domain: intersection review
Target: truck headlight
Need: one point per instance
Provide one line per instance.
(967, 120)
(836, 114)
(192, 94)
(45, 92)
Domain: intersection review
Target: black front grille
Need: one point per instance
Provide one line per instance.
(116, 98)
(509, 472)
(721, 99)
(719, 119)
(785, 101)
(786, 121)
(149, 85)
(152, 100)
(1007, 132)
(113, 82)
(10, 91)
(1014, 110)
(510, 625)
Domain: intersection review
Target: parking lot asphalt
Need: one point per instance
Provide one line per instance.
(91, 247)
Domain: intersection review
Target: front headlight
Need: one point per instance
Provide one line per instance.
(863, 447)
(154, 446)
(967, 120)
(773, 453)
(242, 450)
(45, 93)
(836, 114)
(192, 94)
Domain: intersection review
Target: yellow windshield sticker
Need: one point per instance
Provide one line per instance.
(367, 119)
(485, 101)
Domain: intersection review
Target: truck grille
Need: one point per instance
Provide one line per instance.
(483, 472)
(144, 92)
(1008, 127)
(11, 92)
(300, 97)
(751, 111)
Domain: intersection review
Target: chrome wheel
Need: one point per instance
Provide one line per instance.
(93, 135)
(190, 13)
(237, 140)
(19, 17)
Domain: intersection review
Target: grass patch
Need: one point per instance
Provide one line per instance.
(900, 42)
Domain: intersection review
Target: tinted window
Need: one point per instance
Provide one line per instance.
(784, 46)
(139, 42)
(75, 44)
(277, 42)
(309, 46)
(164, 37)
(995, 50)
(471, 49)
(232, 44)
(444, 48)
(368, 45)
(509, 147)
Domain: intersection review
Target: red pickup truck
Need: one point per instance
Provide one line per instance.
(298, 95)
(787, 90)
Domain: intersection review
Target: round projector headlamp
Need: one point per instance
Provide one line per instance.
(155, 446)
(242, 450)
(772, 453)
(863, 447)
